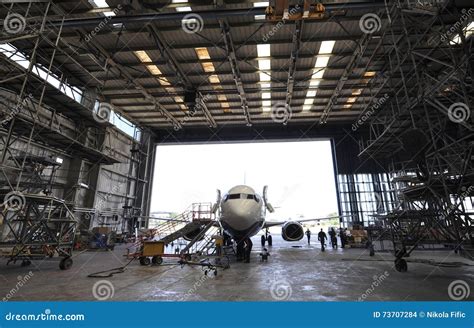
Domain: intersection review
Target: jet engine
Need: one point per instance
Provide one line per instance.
(292, 231)
(193, 234)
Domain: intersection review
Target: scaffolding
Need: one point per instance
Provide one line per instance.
(424, 128)
(42, 118)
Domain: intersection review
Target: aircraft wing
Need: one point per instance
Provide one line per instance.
(272, 224)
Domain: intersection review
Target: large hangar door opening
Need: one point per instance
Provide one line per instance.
(299, 175)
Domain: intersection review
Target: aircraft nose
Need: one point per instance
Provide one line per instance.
(242, 209)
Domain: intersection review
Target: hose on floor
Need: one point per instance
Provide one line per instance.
(110, 272)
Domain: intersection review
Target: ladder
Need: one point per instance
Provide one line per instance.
(208, 245)
(229, 250)
(200, 237)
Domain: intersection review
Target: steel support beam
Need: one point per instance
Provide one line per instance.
(229, 45)
(123, 71)
(219, 13)
(353, 61)
(293, 59)
(183, 80)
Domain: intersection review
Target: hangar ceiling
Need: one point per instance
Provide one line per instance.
(295, 63)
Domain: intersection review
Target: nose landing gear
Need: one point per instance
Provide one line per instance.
(268, 239)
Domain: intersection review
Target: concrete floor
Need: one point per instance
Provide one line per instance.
(295, 274)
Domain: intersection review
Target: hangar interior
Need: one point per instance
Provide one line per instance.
(88, 89)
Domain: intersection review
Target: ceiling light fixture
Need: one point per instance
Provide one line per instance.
(143, 56)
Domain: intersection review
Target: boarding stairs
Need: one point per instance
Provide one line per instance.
(229, 250)
(203, 242)
(196, 216)
(188, 228)
(176, 223)
(207, 246)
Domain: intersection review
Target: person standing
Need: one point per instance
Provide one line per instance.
(308, 234)
(240, 254)
(333, 235)
(219, 242)
(322, 238)
(342, 235)
(247, 249)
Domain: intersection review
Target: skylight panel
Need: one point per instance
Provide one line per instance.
(99, 3)
(263, 50)
(264, 64)
(326, 47)
(264, 77)
(322, 61)
(318, 73)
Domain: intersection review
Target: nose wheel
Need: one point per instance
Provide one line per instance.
(268, 239)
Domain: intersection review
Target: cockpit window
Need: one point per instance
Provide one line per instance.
(242, 196)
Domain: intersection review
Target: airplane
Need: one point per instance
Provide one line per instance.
(242, 215)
